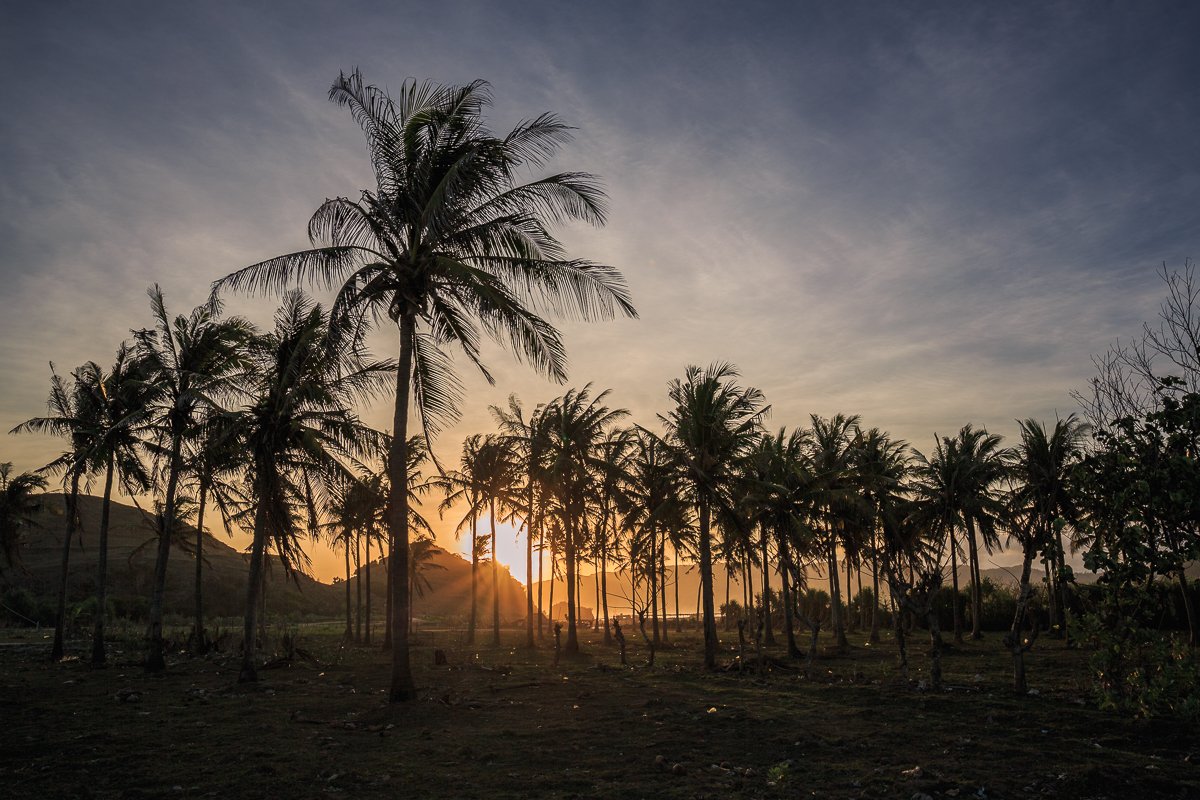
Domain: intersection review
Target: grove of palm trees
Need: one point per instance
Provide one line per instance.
(780, 607)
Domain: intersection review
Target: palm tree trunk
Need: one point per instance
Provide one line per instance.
(835, 598)
(551, 612)
(874, 597)
(652, 586)
(569, 555)
(201, 641)
(976, 594)
(349, 621)
(154, 659)
(367, 623)
(1063, 588)
(58, 649)
(387, 588)
(678, 622)
(769, 627)
(529, 641)
(542, 579)
(596, 616)
(724, 614)
(102, 570)
(604, 592)
(474, 582)
(785, 561)
(254, 583)
(662, 564)
(358, 581)
(958, 626)
(495, 579)
(1052, 600)
(402, 687)
(1013, 640)
(706, 587)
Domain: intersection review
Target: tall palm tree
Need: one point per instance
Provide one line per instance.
(832, 458)
(295, 427)
(119, 414)
(714, 424)
(449, 245)
(193, 363)
(72, 416)
(578, 423)
(884, 468)
(420, 561)
(18, 505)
(467, 484)
(984, 466)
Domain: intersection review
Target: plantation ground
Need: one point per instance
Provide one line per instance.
(506, 723)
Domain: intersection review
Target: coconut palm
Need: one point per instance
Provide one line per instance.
(295, 427)
(449, 245)
(72, 417)
(832, 458)
(467, 484)
(193, 363)
(422, 551)
(578, 424)
(983, 466)
(118, 411)
(714, 424)
(884, 469)
(18, 505)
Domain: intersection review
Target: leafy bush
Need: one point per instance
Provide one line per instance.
(22, 610)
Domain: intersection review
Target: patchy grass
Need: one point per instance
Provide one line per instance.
(505, 723)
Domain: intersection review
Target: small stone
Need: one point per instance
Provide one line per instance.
(679, 769)
(659, 760)
(726, 765)
(915, 772)
(749, 773)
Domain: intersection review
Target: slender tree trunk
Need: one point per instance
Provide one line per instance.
(785, 560)
(349, 620)
(874, 597)
(474, 582)
(495, 579)
(59, 647)
(201, 639)
(387, 593)
(541, 577)
(725, 613)
(154, 659)
(652, 586)
(1063, 589)
(98, 659)
(254, 584)
(596, 616)
(551, 611)
(358, 582)
(367, 624)
(662, 574)
(976, 594)
(849, 589)
(862, 606)
(1014, 639)
(768, 623)
(529, 641)
(569, 554)
(604, 593)
(706, 587)
(402, 688)
(958, 626)
(835, 594)
(678, 622)
(1052, 600)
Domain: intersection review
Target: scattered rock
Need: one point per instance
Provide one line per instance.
(749, 773)
(726, 765)
(660, 760)
(915, 772)
(920, 796)
(679, 769)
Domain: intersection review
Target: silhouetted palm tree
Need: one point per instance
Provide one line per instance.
(71, 417)
(449, 245)
(18, 506)
(713, 425)
(193, 363)
(832, 457)
(296, 425)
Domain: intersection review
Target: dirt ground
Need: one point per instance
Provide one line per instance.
(506, 723)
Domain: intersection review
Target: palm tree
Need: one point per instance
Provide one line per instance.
(832, 458)
(118, 410)
(72, 418)
(193, 363)
(883, 466)
(713, 425)
(450, 242)
(421, 554)
(467, 484)
(297, 423)
(613, 464)
(18, 505)
(983, 466)
(578, 424)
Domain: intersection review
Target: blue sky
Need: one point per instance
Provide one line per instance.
(925, 213)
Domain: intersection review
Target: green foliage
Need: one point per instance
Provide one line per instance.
(1140, 671)
(21, 609)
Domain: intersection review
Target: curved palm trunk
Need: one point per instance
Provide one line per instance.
(59, 647)
(102, 571)
(1013, 640)
(785, 561)
(874, 597)
(402, 688)
(768, 623)
(706, 587)
(495, 581)
(248, 673)
(529, 641)
(154, 659)
(201, 641)
(976, 589)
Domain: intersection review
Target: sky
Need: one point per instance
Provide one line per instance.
(927, 214)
